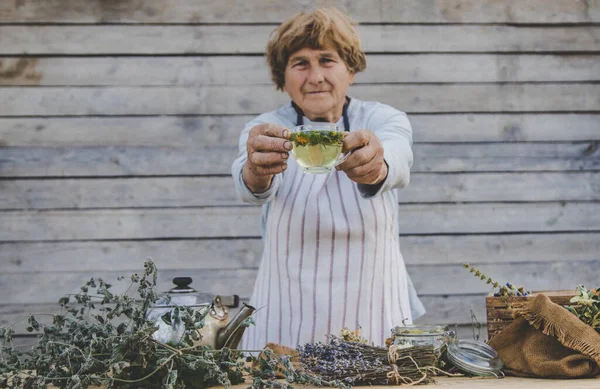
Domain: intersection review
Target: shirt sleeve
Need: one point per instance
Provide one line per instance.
(393, 129)
(242, 190)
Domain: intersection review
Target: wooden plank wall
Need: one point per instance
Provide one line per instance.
(119, 122)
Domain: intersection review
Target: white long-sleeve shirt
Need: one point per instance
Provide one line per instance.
(331, 254)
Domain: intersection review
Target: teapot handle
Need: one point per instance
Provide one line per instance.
(228, 301)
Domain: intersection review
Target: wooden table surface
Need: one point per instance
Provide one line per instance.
(483, 383)
(514, 383)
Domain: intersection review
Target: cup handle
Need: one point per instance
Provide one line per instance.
(342, 158)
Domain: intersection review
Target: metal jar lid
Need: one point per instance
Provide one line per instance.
(417, 330)
(475, 357)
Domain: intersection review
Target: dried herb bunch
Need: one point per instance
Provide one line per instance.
(587, 306)
(352, 336)
(101, 338)
(506, 290)
(357, 363)
(272, 366)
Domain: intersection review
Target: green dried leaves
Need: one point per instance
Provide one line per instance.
(101, 338)
(317, 138)
(587, 306)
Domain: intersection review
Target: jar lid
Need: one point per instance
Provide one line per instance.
(475, 357)
(420, 330)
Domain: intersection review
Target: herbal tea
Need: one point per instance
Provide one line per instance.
(317, 151)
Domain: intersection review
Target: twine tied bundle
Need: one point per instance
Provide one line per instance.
(361, 364)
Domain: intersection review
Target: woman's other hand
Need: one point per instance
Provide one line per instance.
(365, 165)
(268, 149)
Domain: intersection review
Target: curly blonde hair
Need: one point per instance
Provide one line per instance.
(324, 27)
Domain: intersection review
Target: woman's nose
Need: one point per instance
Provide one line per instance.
(315, 76)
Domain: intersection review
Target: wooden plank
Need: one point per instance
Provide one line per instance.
(482, 250)
(479, 250)
(454, 279)
(244, 39)
(502, 187)
(453, 310)
(244, 70)
(260, 11)
(244, 221)
(422, 98)
(183, 131)
(210, 191)
(118, 193)
(177, 131)
(508, 127)
(211, 160)
(48, 287)
(105, 256)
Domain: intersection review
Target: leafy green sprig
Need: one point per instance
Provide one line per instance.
(586, 306)
(313, 138)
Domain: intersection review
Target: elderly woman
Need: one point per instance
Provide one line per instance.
(331, 252)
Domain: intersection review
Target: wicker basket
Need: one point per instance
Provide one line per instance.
(499, 316)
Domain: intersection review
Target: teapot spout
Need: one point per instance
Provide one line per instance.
(231, 335)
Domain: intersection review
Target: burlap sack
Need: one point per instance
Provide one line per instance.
(547, 341)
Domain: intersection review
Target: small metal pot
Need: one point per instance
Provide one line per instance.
(218, 330)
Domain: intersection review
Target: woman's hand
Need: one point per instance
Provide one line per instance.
(365, 165)
(268, 150)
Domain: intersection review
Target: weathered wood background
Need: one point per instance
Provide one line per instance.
(119, 122)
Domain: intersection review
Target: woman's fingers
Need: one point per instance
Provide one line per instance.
(267, 143)
(356, 140)
(270, 130)
(366, 163)
(269, 170)
(359, 157)
(268, 137)
(268, 158)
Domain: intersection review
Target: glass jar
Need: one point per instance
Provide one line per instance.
(437, 336)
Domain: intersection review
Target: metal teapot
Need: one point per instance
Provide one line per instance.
(218, 330)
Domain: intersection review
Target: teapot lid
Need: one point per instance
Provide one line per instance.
(183, 285)
(184, 295)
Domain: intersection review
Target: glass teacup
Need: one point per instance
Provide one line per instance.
(318, 147)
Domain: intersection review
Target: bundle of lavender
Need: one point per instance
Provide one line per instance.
(357, 363)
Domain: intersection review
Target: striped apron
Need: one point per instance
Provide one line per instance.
(331, 260)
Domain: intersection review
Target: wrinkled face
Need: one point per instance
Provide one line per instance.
(317, 81)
